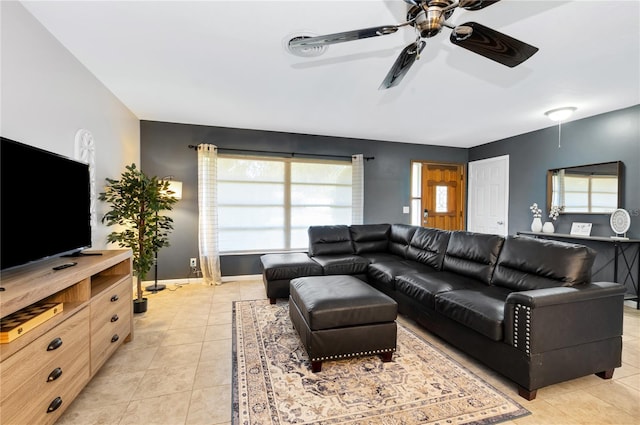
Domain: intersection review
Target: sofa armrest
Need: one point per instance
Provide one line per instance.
(547, 319)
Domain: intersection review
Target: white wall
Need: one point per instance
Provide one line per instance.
(47, 95)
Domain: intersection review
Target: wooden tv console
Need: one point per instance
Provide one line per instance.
(43, 370)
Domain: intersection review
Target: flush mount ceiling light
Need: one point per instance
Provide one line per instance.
(560, 114)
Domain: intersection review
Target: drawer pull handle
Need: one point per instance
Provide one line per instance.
(114, 318)
(114, 298)
(115, 338)
(55, 404)
(55, 374)
(55, 344)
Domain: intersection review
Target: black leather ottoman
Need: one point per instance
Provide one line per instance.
(340, 316)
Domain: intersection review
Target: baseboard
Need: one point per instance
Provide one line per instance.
(178, 282)
(240, 278)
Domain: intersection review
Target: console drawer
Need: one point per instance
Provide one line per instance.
(39, 376)
(104, 304)
(35, 360)
(43, 396)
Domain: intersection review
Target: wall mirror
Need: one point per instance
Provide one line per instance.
(587, 189)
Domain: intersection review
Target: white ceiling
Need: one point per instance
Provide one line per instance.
(223, 63)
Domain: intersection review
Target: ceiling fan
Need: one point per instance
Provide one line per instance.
(428, 17)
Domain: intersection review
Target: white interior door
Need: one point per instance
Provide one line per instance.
(488, 206)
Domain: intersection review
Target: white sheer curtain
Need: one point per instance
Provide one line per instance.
(208, 213)
(562, 190)
(357, 189)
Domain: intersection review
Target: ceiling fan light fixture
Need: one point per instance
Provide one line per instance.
(303, 51)
(560, 114)
(462, 32)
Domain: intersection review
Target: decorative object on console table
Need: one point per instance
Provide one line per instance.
(581, 229)
(620, 222)
(135, 202)
(536, 224)
(553, 215)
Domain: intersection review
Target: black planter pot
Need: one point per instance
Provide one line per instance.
(140, 306)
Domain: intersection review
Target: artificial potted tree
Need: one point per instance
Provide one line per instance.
(136, 200)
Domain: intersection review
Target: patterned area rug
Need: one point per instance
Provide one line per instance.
(273, 383)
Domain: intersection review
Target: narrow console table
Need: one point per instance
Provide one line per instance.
(45, 368)
(627, 249)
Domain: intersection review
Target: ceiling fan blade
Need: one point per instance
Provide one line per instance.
(476, 4)
(341, 37)
(402, 64)
(412, 2)
(492, 44)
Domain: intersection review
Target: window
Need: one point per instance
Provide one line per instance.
(267, 204)
(442, 200)
(416, 193)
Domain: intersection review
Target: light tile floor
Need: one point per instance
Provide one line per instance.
(177, 369)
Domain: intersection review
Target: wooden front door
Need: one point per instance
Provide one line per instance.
(443, 196)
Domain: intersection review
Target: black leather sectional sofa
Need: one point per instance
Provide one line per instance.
(525, 307)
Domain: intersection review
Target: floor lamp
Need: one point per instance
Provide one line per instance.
(176, 188)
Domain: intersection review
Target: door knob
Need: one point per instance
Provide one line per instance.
(501, 223)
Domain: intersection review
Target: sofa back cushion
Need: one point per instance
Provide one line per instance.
(527, 263)
(370, 237)
(428, 246)
(329, 240)
(399, 238)
(473, 254)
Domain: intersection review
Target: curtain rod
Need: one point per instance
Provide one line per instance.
(291, 154)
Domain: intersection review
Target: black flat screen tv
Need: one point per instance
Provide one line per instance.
(45, 202)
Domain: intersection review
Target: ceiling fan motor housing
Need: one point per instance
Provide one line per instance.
(429, 16)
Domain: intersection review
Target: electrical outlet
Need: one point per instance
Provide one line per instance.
(193, 262)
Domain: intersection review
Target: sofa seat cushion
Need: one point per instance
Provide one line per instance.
(380, 257)
(386, 272)
(342, 264)
(289, 266)
(479, 309)
(329, 302)
(423, 287)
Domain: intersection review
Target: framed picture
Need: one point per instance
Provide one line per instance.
(581, 229)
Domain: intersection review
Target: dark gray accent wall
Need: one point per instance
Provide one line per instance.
(608, 137)
(614, 136)
(164, 152)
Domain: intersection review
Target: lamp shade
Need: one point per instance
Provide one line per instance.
(176, 188)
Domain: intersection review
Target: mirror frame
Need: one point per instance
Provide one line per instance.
(619, 170)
